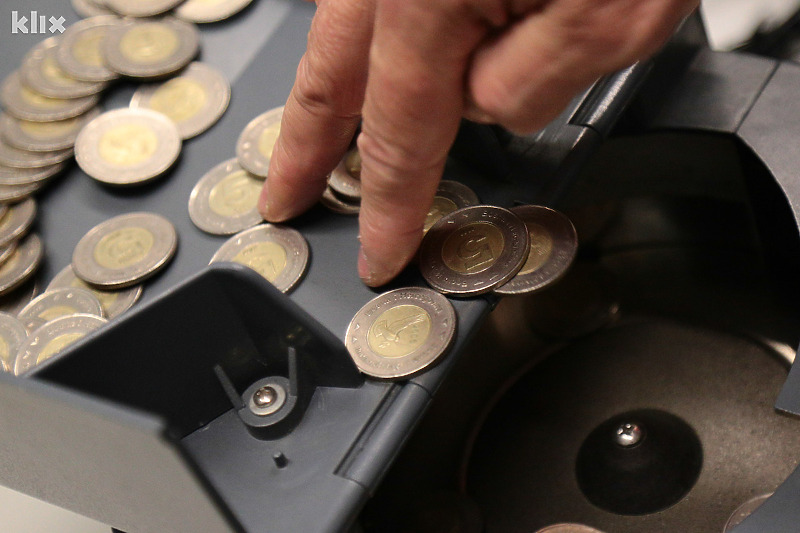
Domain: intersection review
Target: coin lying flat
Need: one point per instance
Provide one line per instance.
(124, 250)
(127, 146)
(28, 176)
(202, 11)
(450, 196)
(41, 72)
(114, 302)
(43, 136)
(22, 263)
(12, 336)
(57, 303)
(16, 193)
(224, 201)
(141, 8)
(13, 301)
(194, 101)
(17, 158)
(80, 53)
(89, 8)
(401, 332)
(554, 244)
(278, 253)
(345, 180)
(337, 205)
(26, 104)
(474, 250)
(16, 221)
(150, 49)
(54, 337)
(255, 145)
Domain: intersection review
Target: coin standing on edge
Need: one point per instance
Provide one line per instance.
(195, 100)
(450, 196)
(255, 144)
(278, 253)
(474, 250)
(57, 303)
(16, 221)
(43, 136)
(225, 200)
(114, 302)
(554, 244)
(401, 332)
(80, 53)
(26, 104)
(127, 146)
(150, 49)
(345, 180)
(203, 11)
(54, 337)
(22, 263)
(12, 336)
(41, 72)
(124, 250)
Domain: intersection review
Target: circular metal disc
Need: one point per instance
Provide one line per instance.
(13, 301)
(450, 196)
(22, 263)
(16, 193)
(54, 337)
(745, 510)
(150, 49)
(17, 220)
(202, 11)
(568, 528)
(330, 200)
(474, 250)
(254, 148)
(43, 136)
(127, 146)
(18, 158)
(89, 8)
(141, 8)
(278, 253)
(125, 250)
(57, 303)
(80, 53)
(195, 100)
(554, 244)
(28, 176)
(41, 72)
(346, 177)
(114, 302)
(401, 332)
(225, 200)
(23, 103)
(12, 337)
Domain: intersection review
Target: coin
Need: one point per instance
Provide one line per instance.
(80, 53)
(13, 301)
(554, 244)
(255, 145)
(450, 196)
(23, 103)
(12, 336)
(124, 250)
(202, 11)
(401, 332)
(16, 193)
(41, 72)
(17, 158)
(224, 201)
(744, 510)
(194, 101)
(57, 303)
(127, 146)
(474, 250)
(338, 205)
(52, 338)
(6, 251)
(114, 302)
(16, 220)
(278, 253)
(568, 528)
(150, 49)
(43, 136)
(346, 177)
(28, 176)
(22, 263)
(89, 8)
(141, 8)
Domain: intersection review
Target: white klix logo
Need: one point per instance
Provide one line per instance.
(38, 23)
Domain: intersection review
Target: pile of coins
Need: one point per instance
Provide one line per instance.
(197, 11)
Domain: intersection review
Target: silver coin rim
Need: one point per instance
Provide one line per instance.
(329, 200)
(14, 157)
(33, 77)
(50, 330)
(128, 296)
(206, 218)
(21, 192)
(342, 182)
(88, 9)
(247, 145)
(15, 106)
(188, 47)
(72, 66)
(458, 193)
(14, 335)
(130, 9)
(32, 251)
(22, 216)
(13, 134)
(28, 176)
(232, 7)
(86, 304)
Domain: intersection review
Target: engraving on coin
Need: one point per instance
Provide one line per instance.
(450, 196)
(114, 302)
(57, 303)
(195, 100)
(22, 263)
(224, 200)
(401, 332)
(17, 158)
(127, 146)
(16, 220)
(80, 53)
(346, 177)
(54, 337)
(43, 136)
(141, 8)
(201, 11)
(26, 104)
(474, 250)
(150, 49)
(125, 250)
(41, 72)
(554, 245)
(255, 144)
(279, 254)
(12, 336)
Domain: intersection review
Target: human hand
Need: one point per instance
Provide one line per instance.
(410, 69)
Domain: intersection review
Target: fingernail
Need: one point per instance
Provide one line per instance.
(269, 210)
(365, 271)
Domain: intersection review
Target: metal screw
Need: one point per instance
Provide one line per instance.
(628, 434)
(264, 396)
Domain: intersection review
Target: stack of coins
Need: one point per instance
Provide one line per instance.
(197, 11)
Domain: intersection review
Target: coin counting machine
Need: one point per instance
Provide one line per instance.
(145, 424)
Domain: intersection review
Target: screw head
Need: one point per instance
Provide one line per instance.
(628, 434)
(265, 396)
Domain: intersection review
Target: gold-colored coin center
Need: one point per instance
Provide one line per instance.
(441, 206)
(473, 248)
(49, 130)
(149, 43)
(128, 144)
(266, 258)
(235, 195)
(180, 99)
(267, 139)
(86, 49)
(37, 100)
(58, 344)
(51, 313)
(123, 247)
(52, 72)
(541, 248)
(353, 164)
(107, 298)
(5, 354)
(399, 331)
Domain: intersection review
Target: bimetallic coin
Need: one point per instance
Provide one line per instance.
(16, 193)
(23, 103)
(401, 332)
(127, 146)
(22, 263)
(17, 158)
(114, 302)
(41, 72)
(255, 145)
(89, 8)
(125, 250)
(225, 200)
(80, 53)
(28, 176)
(16, 221)
(12, 336)
(202, 11)
(57, 303)
(568, 528)
(149, 49)
(346, 177)
(278, 253)
(194, 101)
(43, 136)
(474, 250)
(54, 337)
(141, 8)
(450, 196)
(554, 244)
(13, 302)
(337, 205)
